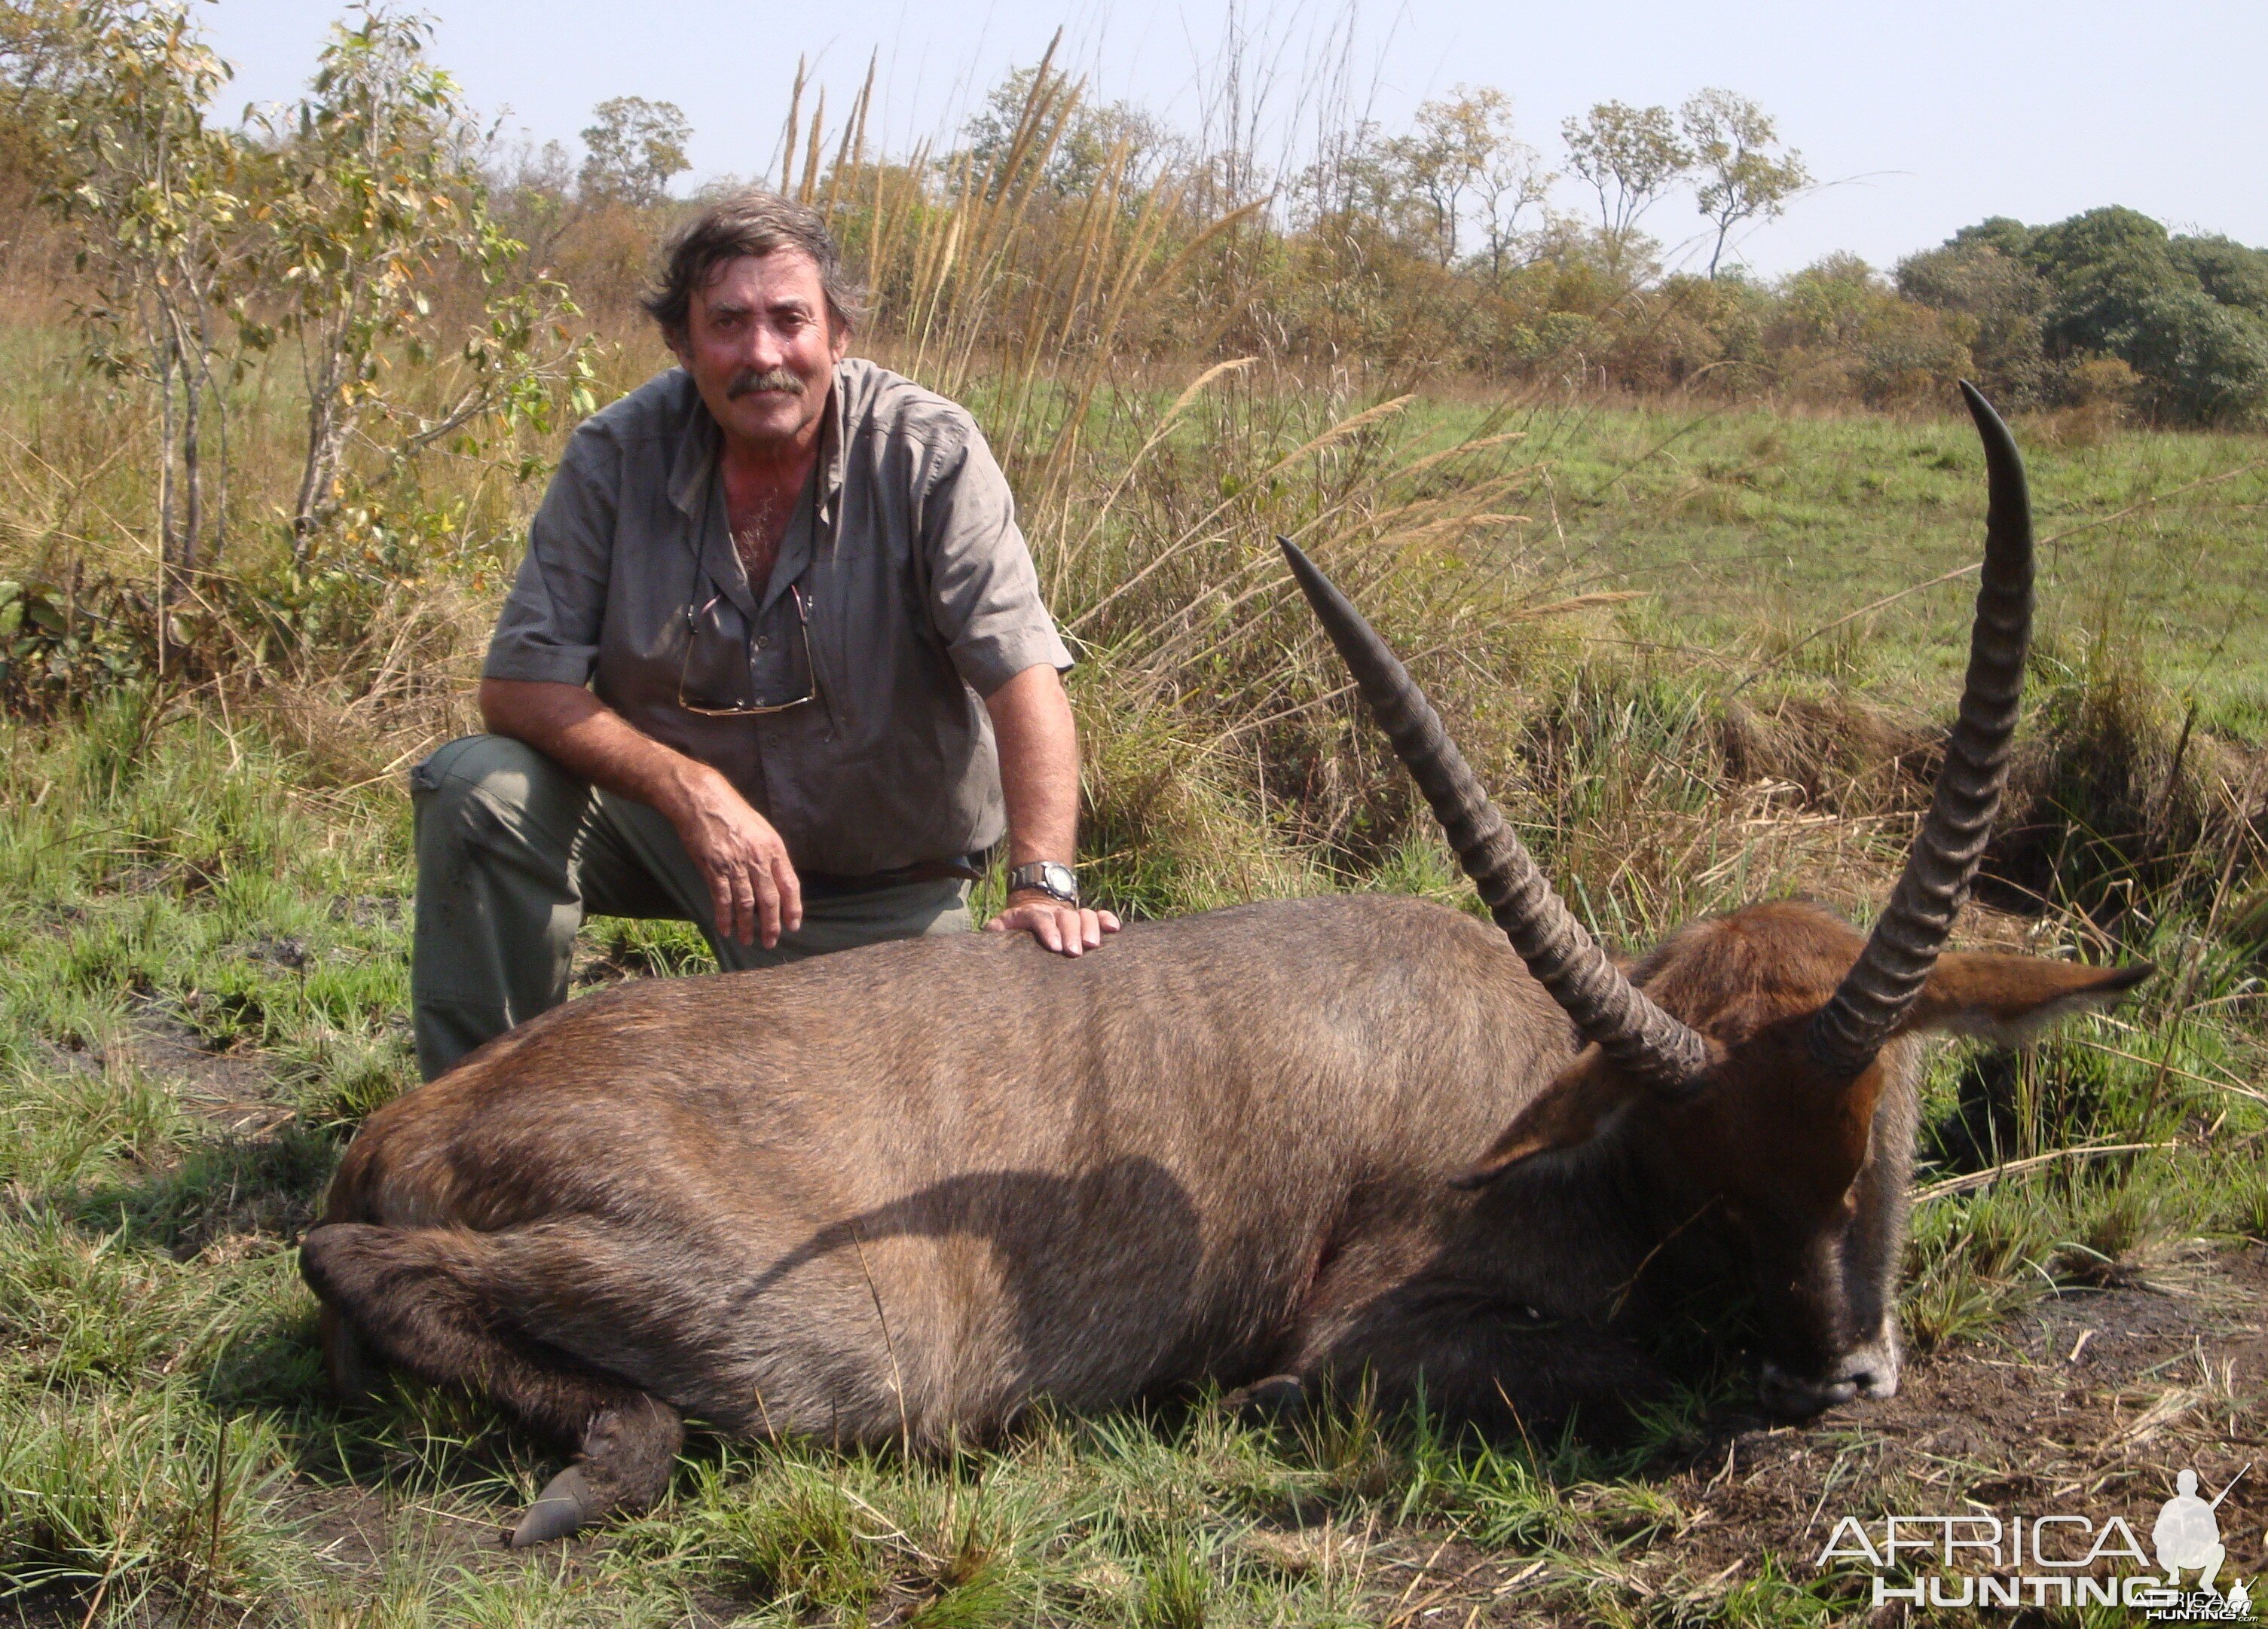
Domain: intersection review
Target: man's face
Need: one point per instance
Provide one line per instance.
(761, 349)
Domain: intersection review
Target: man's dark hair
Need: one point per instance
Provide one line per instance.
(750, 222)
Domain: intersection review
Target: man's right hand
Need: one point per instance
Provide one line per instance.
(751, 880)
(750, 877)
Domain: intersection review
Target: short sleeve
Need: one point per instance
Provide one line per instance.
(984, 595)
(550, 629)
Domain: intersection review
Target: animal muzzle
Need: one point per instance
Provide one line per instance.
(1865, 1374)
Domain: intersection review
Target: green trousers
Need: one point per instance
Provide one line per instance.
(513, 851)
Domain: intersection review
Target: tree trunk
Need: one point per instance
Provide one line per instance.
(218, 529)
(328, 425)
(193, 494)
(168, 543)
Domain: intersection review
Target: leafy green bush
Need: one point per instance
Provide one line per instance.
(2045, 308)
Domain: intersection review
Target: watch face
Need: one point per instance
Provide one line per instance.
(1050, 877)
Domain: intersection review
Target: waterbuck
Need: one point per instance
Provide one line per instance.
(902, 1192)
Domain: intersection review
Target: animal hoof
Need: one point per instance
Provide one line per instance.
(1266, 1401)
(566, 1503)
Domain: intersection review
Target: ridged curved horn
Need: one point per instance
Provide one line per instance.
(1881, 986)
(1565, 960)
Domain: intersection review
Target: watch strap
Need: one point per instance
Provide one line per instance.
(1050, 877)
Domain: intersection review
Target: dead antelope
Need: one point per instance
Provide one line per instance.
(904, 1191)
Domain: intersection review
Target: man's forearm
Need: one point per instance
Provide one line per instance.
(590, 740)
(1039, 766)
(1038, 781)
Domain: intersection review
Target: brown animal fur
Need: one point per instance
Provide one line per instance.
(911, 1189)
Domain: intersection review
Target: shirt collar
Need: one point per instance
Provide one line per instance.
(695, 463)
(830, 445)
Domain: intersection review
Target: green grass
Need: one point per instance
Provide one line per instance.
(204, 940)
(185, 927)
(1750, 531)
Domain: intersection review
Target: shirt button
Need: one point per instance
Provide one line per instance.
(761, 641)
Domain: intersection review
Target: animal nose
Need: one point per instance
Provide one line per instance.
(1869, 1374)
(1868, 1380)
(1873, 1366)
(1796, 1396)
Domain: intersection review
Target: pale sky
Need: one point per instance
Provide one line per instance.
(1925, 114)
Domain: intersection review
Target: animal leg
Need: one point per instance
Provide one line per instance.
(1264, 1401)
(621, 1466)
(356, 1370)
(417, 1297)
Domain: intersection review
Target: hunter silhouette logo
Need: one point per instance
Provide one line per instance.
(2187, 1534)
(2187, 1537)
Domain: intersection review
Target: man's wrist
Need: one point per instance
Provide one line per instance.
(1044, 878)
(681, 785)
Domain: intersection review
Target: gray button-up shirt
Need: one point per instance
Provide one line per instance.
(903, 592)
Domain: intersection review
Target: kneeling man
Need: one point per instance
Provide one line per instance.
(776, 663)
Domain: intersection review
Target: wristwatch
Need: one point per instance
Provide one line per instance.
(1050, 877)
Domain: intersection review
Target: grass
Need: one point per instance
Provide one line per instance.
(1637, 619)
(203, 988)
(1752, 531)
(1701, 653)
(203, 957)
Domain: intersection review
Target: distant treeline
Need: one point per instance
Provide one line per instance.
(2107, 304)
(1435, 249)
(1438, 248)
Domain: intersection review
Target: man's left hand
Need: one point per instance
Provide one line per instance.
(1067, 930)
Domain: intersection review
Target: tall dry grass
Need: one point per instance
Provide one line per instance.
(1225, 757)
(162, 859)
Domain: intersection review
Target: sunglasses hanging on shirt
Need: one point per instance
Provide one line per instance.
(727, 673)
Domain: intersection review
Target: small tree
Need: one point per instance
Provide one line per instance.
(155, 194)
(532, 194)
(380, 196)
(1513, 182)
(1085, 141)
(1463, 153)
(1733, 142)
(1630, 156)
(43, 59)
(636, 147)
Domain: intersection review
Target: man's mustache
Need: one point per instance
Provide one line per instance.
(749, 381)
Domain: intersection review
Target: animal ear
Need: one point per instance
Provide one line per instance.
(1567, 1114)
(2007, 998)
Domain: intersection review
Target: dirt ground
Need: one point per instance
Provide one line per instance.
(2089, 1403)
